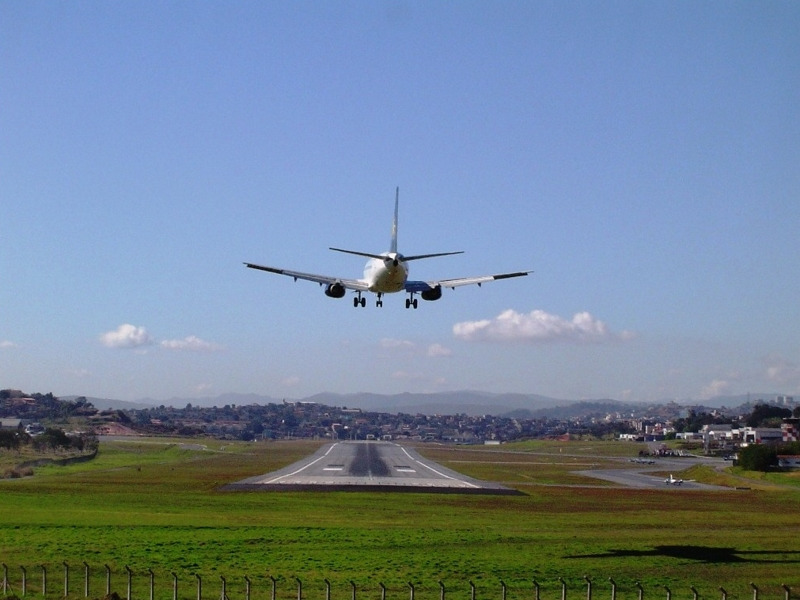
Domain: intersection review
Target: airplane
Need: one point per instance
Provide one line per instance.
(672, 481)
(387, 273)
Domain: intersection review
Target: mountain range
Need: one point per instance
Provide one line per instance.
(442, 403)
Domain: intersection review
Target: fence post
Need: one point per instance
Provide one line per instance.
(299, 588)
(441, 590)
(669, 593)
(85, 579)
(503, 586)
(174, 586)
(471, 590)
(641, 590)
(613, 589)
(383, 592)
(152, 584)
(246, 588)
(564, 589)
(755, 590)
(223, 594)
(535, 590)
(199, 586)
(130, 578)
(724, 593)
(353, 585)
(66, 579)
(411, 587)
(327, 589)
(108, 580)
(24, 580)
(695, 595)
(787, 592)
(588, 587)
(44, 581)
(5, 579)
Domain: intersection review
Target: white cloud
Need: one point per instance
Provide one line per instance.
(435, 350)
(191, 343)
(7, 344)
(782, 371)
(397, 345)
(291, 381)
(538, 326)
(718, 387)
(126, 336)
(407, 347)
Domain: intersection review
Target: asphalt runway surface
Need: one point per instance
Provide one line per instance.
(643, 476)
(375, 466)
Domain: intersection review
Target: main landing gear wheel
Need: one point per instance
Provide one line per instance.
(411, 301)
(359, 301)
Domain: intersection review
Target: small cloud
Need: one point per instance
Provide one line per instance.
(291, 381)
(782, 371)
(7, 344)
(435, 350)
(202, 387)
(538, 326)
(190, 343)
(406, 347)
(126, 336)
(717, 387)
(397, 345)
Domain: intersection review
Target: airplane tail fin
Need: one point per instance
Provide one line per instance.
(393, 245)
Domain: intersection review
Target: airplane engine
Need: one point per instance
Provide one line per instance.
(432, 294)
(334, 290)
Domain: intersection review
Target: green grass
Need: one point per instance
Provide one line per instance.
(157, 504)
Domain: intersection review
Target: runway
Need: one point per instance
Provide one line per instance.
(373, 466)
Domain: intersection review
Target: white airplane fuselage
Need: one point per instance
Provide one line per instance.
(388, 275)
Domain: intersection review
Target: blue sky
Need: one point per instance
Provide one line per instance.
(642, 158)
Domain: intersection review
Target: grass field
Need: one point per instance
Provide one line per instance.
(156, 504)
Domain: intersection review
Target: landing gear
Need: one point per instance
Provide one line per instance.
(359, 301)
(411, 301)
(379, 301)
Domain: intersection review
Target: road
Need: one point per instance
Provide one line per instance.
(369, 465)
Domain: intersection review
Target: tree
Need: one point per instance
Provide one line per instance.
(758, 457)
(765, 412)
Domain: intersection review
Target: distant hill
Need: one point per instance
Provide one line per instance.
(108, 403)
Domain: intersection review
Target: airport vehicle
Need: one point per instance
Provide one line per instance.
(387, 273)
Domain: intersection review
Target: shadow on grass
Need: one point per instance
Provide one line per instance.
(706, 554)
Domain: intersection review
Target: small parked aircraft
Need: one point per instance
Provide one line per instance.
(672, 481)
(387, 273)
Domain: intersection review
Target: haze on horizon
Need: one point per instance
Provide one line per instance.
(640, 158)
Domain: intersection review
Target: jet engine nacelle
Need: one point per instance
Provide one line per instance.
(334, 290)
(432, 294)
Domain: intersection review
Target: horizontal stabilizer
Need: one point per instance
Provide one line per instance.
(418, 256)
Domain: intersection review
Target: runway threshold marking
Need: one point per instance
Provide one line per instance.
(439, 473)
(304, 467)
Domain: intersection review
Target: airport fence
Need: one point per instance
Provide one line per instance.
(84, 581)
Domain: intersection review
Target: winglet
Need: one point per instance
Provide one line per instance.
(393, 246)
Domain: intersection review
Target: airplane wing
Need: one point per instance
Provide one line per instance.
(350, 284)
(424, 286)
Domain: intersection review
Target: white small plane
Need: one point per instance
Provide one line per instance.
(672, 481)
(387, 273)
